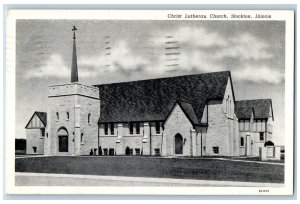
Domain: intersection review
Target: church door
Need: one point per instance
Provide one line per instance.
(178, 144)
(63, 140)
(63, 143)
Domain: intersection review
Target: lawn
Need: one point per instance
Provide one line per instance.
(204, 168)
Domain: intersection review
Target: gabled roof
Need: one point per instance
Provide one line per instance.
(260, 107)
(42, 116)
(187, 110)
(152, 100)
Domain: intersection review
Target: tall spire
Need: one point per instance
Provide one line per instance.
(74, 71)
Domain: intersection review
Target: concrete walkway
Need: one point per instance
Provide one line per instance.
(42, 179)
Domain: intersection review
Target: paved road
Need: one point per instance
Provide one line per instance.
(40, 179)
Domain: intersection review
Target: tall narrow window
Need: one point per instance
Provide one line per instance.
(137, 128)
(157, 128)
(226, 105)
(43, 132)
(81, 138)
(89, 118)
(67, 116)
(261, 136)
(112, 129)
(242, 142)
(131, 128)
(229, 109)
(57, 116)
(105, 128)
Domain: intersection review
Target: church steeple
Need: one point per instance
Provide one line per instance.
(74, 71)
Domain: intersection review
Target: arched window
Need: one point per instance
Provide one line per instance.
(57, 116)
(68, 115)
(242, 142)
(89, 118)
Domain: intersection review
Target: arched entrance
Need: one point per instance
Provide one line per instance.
(63, 140)
(178, 144)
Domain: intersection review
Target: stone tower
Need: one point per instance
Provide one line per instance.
(73, 113)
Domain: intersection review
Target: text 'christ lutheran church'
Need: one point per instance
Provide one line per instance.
(191, 115)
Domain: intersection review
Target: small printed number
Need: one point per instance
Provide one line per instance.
(264, 191)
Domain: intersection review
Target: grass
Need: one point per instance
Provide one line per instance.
(204, 168)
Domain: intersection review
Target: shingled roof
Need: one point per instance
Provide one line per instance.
(42, 116)
(152, 100)
(261, 108)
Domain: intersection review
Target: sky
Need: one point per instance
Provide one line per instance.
(120, 50)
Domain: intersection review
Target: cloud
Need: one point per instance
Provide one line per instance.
(195, 36)
(52, 67)
(245, 47)
(254, 74)
(199, 49)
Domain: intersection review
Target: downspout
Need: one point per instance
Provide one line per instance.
(191, 143)
(201, 141)
(266, 130)
(150, 139)
(162, 140)
(98, 141)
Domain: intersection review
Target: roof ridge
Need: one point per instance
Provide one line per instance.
(143, 80)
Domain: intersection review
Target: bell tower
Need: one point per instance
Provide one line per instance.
(73, 113)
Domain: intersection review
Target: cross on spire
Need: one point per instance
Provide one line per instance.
(74, 29)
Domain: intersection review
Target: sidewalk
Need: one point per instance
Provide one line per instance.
(42, 179)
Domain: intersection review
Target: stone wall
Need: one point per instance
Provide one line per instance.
(89, 130)
(34, 139)
(147, 140)
(78, 101)
(177, 122)
(217, 132)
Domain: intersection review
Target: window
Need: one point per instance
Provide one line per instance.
(137, 128)
(157, 128)
(130, 151)
(130, 128)
(105, 128)
(216, 150)
(261, 136)
(229, 109)
(81, 138)
(67, 116)
(34, 150)
(43, 132)
(89, 118)
(57, 116)
(157, 152)
(111, 151)
(242, 142)
(137, 151)
(104, 151)
(112, 128)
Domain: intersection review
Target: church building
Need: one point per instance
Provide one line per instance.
(190, 115)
